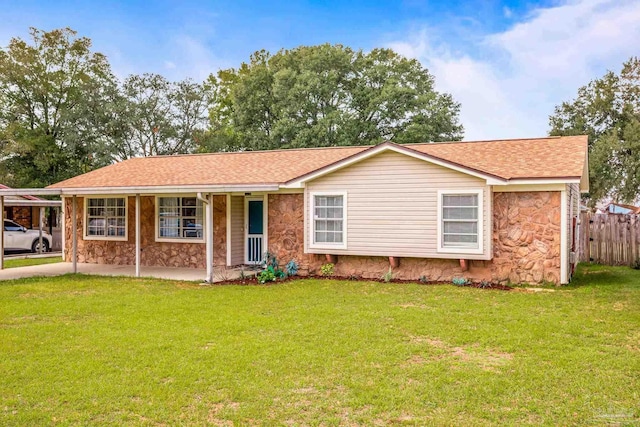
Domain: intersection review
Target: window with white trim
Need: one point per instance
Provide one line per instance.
(460, 220)
(180, 218)
(328, 219)
(106, 217)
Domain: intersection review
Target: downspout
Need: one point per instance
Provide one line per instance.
(208, 229)
(200, 197)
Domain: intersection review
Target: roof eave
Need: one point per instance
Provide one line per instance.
(170, 189)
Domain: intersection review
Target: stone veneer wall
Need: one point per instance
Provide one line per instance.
(23, 215)
(526, 237)
(153, 253)
(526, 243)
(285, 225)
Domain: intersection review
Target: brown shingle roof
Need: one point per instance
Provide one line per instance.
(508, 159)
(551, 157)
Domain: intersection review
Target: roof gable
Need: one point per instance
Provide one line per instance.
(389, 147)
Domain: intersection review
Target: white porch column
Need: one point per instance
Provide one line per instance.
(137, 235)
(74, 233)
(209, 237)
(2, 232)
(63, 226)
(40, 217)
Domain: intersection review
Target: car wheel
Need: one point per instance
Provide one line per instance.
(35, 246)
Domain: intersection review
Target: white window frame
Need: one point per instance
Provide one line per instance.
(85, 221)
(175, 239)
(440, 237)
(312, 222)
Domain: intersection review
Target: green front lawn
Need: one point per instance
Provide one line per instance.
(24, 262)
(86, 350)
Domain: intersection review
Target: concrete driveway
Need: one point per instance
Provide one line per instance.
(57, 269)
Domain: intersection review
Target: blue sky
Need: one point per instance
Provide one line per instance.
(508, 62)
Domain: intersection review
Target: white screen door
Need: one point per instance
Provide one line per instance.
(254, 226)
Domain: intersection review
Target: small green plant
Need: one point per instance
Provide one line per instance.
(353, 277)
(423, 279)
(268, 275)
(388, 276)
(270, 260)
(271, 265)
(327, 269)
(636, 264)
(485, 284)
(291, 269)
(243, 275)
(460, 281)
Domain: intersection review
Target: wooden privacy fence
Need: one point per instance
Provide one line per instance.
(609, 239)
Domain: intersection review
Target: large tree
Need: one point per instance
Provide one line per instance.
(327, 95)
(54, 97)
(608, 110)
(160, 117)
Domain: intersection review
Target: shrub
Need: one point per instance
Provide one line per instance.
(327, 269)
(291, 269)
(388, 276)
(268, 275)
(423, 279)
(269, 260)
(460, 281)
(485, 284)
(636, 264)
(270, 263)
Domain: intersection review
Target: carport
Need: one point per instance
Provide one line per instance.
(41, 204)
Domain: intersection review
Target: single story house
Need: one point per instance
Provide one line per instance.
(501, 210)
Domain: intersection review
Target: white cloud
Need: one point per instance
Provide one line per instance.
(192, 57)
(508, 83)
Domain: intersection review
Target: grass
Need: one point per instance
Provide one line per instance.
(24, 262)
(79, 350)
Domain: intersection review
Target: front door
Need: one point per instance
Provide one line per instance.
(254, 226)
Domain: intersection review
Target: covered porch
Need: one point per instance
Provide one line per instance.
(160, 231)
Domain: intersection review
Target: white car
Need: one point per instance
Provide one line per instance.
(19, 238)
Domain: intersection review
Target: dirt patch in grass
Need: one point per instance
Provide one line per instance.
(533, 290)
(486, 359)
(411, 305)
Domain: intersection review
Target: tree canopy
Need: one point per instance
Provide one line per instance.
(327, 95)
(608, 110)
(49, 129)
(63, 112)
(160, 117)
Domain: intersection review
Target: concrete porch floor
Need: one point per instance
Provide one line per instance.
(184, 274)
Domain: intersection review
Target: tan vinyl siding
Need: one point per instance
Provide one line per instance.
(237, 230)
(392, 206)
